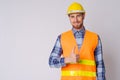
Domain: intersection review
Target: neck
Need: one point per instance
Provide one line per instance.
(78, 29)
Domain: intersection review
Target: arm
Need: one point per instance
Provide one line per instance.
(55, 59)
(99, 61)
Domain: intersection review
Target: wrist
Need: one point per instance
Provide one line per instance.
(66, 60)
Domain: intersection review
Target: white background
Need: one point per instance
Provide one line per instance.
(29, 28)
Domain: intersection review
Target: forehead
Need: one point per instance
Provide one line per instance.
(74, 14)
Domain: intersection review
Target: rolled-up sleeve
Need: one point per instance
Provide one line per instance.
(99, 61)
(55, 59)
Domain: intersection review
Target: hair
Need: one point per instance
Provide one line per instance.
(72, 13)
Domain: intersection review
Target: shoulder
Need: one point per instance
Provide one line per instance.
(92, 33)
(66, 32)
(62, 34)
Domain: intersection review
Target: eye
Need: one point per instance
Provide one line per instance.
(80, 15)
(71, 16)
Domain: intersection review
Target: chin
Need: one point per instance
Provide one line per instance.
(77, 27)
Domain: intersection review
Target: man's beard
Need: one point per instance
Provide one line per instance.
(78, 26)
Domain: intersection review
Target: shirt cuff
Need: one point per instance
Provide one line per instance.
(62, 61)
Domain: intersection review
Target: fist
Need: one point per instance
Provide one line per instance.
(72, 58)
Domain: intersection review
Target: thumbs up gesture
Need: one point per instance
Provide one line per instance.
(72, 58)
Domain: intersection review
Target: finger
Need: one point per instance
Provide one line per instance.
(73, 55)
(77, 55)
(73, 50)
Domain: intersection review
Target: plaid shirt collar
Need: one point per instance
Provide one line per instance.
(81, 31)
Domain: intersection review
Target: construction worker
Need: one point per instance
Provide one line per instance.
(78, 52)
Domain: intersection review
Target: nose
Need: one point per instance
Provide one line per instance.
(76, 19)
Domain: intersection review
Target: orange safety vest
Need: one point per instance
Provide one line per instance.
(85, 69)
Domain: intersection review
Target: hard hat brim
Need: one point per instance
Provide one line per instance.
(75, 11)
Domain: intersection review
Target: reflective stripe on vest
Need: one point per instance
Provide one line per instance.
(87, 62)
(79, 73)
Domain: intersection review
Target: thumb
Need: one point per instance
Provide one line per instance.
(73, 50)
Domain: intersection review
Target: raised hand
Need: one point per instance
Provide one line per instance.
(72, 58)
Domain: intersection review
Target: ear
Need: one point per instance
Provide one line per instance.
(68, 15)
(83, 15)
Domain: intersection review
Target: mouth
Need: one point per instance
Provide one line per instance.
(76, 23)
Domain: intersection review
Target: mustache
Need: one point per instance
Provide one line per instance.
(76, 22)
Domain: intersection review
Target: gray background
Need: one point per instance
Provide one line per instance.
(29, 28)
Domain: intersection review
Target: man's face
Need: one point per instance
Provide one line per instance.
(76, 19)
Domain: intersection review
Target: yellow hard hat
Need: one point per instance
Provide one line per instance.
(75, 7)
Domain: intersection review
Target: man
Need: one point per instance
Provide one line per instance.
(78, 52)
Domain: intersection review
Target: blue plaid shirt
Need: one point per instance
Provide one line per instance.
(55, 59)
